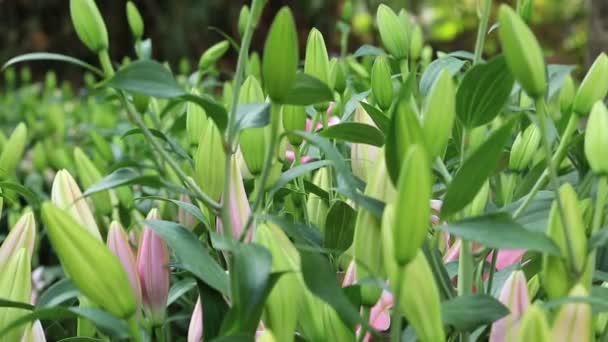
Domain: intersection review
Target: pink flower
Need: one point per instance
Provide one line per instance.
(195, 330)
(514, 295)
(118, 243)
(239, 205)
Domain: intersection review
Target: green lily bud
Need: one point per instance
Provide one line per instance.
(393, 32)
(363, 156)
(337, 73)
(316, 63)
(21, 236)
(102, 146)
(196, 121)
(555, 273)
(524, 148)
(413, 198)
(13, 151)
(209, 162)
(280, 60)
(89, 24)
(522, 52)
(93, 268)
(574, 320)
(408, 130)
(15, 285)
(439, 114)
(478, 205)
(141, 102)
(243, 18)
(533, 285)
(525, 9)
(212, 55)
(533, 326)
(294, 119)
(227, 95)
(253, 140)
(347, 11)
(566, 95)
(416, 43)
(39, 157)
(382, 83)
(317, 207)
(596, 139)
(267, 336)
(594, 86)
(136, 23)
(254, 67)
(89, 175)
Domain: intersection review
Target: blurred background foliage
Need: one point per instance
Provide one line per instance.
(182, 29)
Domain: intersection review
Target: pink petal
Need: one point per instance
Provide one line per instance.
(514, 295)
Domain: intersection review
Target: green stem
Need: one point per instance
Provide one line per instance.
(405, 69)
(482, 31)
(465, 268)
(443, 170)
(492, 271)
(542, 121)
(396, 321)
(159, 334)
(134, 329)
(600, 203)
(106, 64)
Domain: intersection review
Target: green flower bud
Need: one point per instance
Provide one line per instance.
(91, 266)
(209, 162)
(267, 336)
(533, 326)
(525, 9)
(102, 146)
(254, 67)
(316, 63)
(566, 95)
(15, 285)
(253, 141)
(294, 119)
(408, 131)
(522, 52)
(439, 114)
(280, 61)
(337, 73)
(413, 197)
(382, 83)
(317, 207)
(594, 86)
(39, 157)
(136, 23)
(89, 175)
(196, 121)
(347, 11)
(212, 55)
(22, 235)
(243, 18)
(13, 151)
(416, 43)
(227, 95)
(533, 286)
(478, 205)
(596, 139)
(524, 148)
(393, 32)
(574, 320)
(141, 102)
(363, 156)
(89, 24)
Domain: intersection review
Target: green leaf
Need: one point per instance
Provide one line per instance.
(296, 172)
(252, 115)
(484, 92)
(598, 299)
(449, 63)
(354, 132)
(49, 56)
(179, 289)
(598, 239)
(340, 226)
(300, 233)
(214, 109)
(58, 293)
(480, 310)
(368, 50)
(120, 177)
(214, 310)
(188, 207)
(5, 303)
(191, 254)
(79, 339)
(379, 118)
(499, 230)
(175, 146)
(475, 171)
(146, 77)
(557, 74)
(28, 194)
(308, 90)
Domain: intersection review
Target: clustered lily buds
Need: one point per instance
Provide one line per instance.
(524, 148)
(89, 24)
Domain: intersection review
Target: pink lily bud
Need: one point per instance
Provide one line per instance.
(574, 320)
(118, 243)
(195, 330)
(239, 204)
(514, 295)
(153, 270)
(23, 235)
(290, 156)
(183, 217)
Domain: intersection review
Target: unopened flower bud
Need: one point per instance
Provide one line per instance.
(89, 24)
(118, 243)
(195, 329)
(596, 139)
(439, 113)
(393, 32)
(243, 19)
(212, 55)
(89, 175)
(514, 295)
(317, 207)
(294, 119)
(196, 121)
(337, 73)
(533, 326)
(574, 320)
(594, 86)
(382, 83)
(416, 42)
(209, 162)
(15, 285)
(239, 204)
(566, 95)
(253, 140)
(136, 23)
(316, 62)
(22, 235)
(524, 148)
(363, 156)
(12, 152)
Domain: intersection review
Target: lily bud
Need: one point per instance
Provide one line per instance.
(89, 24)
(212, 55)
(280, 60)
(12, 152)
(594, 86)
(243, 19)
(316, 63)
(66, 195)
(566, 95)
(136, 23)
(196, 121)
(209, 162)
(514, 295)
(317, 207)
(22, 235)
(393, 32)
(555, 271)
(253, 140)
(195, 329)
(533, 326)
(254, 67)
(294, 119)
(89, 175)
(382, 83)
(524, 148)
(118, 243)
(522, 52)
(416, 43)
(439, 114)
(39, 157)
(574, 320)
(35, 333)
(90, 265)
(267, 336)
(183, 217)
(596, 139)
(337, 73)
(239, 204)
(153, 270)
(363, 156)
(15, 285)
(413, 196)
(102, 146)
